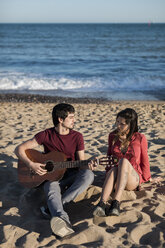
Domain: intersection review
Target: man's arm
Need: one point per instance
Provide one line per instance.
(81, 155)
(20, 153)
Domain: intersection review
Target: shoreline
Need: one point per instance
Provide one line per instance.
(16, 97)
(36, 98)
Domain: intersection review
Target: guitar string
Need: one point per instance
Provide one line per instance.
(72, 164)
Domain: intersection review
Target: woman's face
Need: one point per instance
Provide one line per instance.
(122, 127)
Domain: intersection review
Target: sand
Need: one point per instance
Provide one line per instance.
(142, 220)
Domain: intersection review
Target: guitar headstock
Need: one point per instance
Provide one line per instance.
(108, 161)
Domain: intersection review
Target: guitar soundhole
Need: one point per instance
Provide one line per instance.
(49, 166)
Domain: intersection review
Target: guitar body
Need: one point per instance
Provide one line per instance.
(55, 163)
(29, 178)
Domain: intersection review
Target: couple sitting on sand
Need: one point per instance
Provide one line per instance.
(125, 143)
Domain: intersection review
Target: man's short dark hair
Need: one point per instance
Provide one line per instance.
(61, 110)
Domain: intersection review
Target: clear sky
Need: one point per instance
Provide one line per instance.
(78, 11)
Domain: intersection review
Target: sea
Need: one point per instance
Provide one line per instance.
(108, 61)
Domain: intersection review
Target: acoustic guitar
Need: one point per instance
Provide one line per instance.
(55, 163)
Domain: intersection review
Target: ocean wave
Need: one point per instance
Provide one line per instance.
(18, 81)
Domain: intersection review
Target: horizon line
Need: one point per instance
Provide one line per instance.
(149, 22)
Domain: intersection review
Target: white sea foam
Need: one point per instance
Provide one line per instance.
(18, 81)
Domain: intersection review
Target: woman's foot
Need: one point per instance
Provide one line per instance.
(100, 209)
(114, 208)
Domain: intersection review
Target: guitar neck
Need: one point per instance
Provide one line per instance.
(71, 164)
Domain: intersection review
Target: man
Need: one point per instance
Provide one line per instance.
(61, 138)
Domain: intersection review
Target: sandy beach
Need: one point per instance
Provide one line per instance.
(142, 220)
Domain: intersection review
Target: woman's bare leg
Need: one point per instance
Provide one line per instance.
(127, 178)
(109, 184)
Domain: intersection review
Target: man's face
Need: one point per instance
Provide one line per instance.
(69, 121)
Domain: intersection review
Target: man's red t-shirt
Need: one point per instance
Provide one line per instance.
(68, 144)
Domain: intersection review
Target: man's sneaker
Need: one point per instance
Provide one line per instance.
(45, 212)
(114, 208)
(60, 227)
(100, 209)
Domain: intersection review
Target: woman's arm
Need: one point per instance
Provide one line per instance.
(145, 166)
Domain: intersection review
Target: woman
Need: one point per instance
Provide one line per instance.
(130, 148)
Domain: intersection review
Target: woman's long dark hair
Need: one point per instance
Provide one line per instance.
(131, 119)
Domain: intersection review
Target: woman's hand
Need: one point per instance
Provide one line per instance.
(156, 180)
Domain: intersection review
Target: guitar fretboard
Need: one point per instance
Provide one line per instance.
(70, 164)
